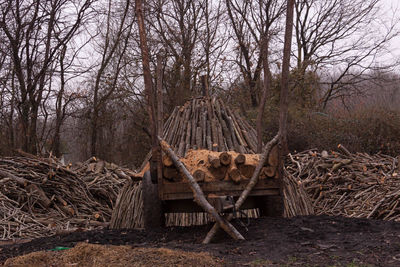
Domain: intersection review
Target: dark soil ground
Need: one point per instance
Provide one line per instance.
(302, 241)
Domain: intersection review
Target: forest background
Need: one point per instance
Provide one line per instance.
(71, 80)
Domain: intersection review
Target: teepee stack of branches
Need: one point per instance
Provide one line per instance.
(208, 124)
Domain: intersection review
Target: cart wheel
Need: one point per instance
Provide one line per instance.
(152, 205)
(270, 206)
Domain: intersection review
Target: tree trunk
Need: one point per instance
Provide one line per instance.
(253, 95)
(93, 134)
(265, 93)
(32, 131)
(283, 107)
(160, 112)
(24, 122)
(11, 116)
(59, 108)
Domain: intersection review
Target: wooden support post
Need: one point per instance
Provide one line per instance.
(253, 181)
(199, 195)
(148, 86)
(160, 121)
(160, 104)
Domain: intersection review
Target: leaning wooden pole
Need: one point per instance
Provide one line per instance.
(160, 115)
(148, 86)
(199, 195)
(253, 181)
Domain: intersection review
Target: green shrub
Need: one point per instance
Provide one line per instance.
(370, 130)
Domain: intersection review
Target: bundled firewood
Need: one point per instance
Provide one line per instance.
(353, 185)
(40, 196)
(129, 207)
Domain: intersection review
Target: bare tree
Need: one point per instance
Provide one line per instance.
(63, 98)
(346, 35)
(255, 25)
(284, 96)
(214, 39)
(177, 25)
(148, 81)
(7, 98)
(113, 46)
(35, 33)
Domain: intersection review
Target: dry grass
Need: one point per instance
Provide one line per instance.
(91, 255)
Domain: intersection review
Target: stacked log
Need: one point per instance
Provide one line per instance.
(208, 166)
(206, 124)
(129, 213)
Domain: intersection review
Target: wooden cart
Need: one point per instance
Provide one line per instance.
(171, 197)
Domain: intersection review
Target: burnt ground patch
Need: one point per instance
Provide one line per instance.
(307, 240)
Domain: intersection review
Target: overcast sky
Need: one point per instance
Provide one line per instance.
(393, 9)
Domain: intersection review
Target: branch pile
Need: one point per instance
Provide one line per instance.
(39, 196)
(104, 180)
(352, 185)
(208, 124)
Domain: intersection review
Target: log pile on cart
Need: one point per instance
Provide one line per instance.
(198, 127)
(209, 166)
(215, 144)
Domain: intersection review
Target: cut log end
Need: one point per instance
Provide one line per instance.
(225, 158)
(218, 174)
(268, 171)
(167, 161)
(240, 159)
(273, 158)
(214, 161)
(171, 174)
(234, 175)
(199, 175)
(247, 170)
